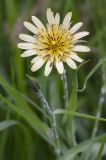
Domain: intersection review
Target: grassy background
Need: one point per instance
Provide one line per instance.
(25, 132)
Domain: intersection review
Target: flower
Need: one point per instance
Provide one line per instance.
(54, 44)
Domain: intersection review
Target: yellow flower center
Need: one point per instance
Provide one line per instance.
(54, 43)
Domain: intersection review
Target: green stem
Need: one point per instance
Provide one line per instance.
(48, 110)
(65, 88)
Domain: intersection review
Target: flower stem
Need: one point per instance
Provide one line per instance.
(65, 88)
(56, 137)
(53, 125)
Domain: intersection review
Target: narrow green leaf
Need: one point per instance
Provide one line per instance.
(70, 154)
(22, 108)
(73, 98)
(20, 98)
(72, 105)
(82, 64)
(3, 138)
(103, 60)
(99, 156)
(15, 94)
(6, 124)
(77, 114)
(41, 128)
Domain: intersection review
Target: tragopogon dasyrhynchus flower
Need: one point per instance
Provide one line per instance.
(54, 44)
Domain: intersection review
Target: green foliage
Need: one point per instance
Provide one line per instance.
(7, 123)
(99, 156)
(27, 130)
(83, 146)
(62, 111)
(72, 105)
(24, 110)
(33, 120)
(101, 61)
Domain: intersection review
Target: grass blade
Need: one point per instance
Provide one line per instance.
(99, 156)
(73, 98)
(41, 128)
(77, 114)
(83, 146)
(6, 124)
(15, 94)
(103, 60)
(72, 105)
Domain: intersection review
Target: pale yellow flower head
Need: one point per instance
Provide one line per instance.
(55, 44)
